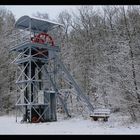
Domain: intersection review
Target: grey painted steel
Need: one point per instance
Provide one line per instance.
(51, 96)
(23, 60)
(57, 92)
(37, 24)
(26, 44)
(29, 105)
(31, 64)
(29, 81)
(79, 91)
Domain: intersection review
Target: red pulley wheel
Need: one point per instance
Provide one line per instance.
(43, 38)
(35, 119)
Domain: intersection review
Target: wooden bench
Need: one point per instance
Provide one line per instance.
(100, 113)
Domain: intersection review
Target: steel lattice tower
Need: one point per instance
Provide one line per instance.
(37, 64)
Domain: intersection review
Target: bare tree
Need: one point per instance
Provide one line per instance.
(41, 15)
(7, 86)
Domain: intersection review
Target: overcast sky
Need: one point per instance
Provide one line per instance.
(53, 11)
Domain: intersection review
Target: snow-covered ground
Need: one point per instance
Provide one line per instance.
(78, 125)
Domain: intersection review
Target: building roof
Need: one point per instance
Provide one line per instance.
(36, 24)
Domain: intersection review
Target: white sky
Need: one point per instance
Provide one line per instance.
(53, 11)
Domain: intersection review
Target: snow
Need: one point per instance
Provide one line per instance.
(77, 125)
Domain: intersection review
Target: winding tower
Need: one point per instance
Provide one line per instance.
(37, 61)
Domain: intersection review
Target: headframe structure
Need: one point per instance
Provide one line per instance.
(37, 63)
